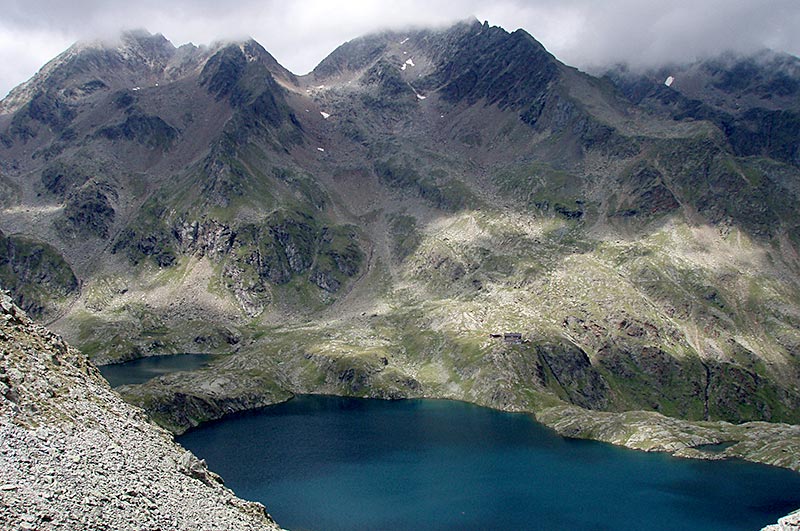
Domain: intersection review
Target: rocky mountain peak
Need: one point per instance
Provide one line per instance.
(467, 60)
(754, 99)
(88, 66)
(254, 52)
(729, 82)
(153, 49)
(361, 53)
(490, 63)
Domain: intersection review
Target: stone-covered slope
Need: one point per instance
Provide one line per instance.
(74, 456)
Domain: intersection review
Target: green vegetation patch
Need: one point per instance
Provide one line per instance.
(540, 185)
(405, 235)
(148, 237)
(147, 130)
(436, 188)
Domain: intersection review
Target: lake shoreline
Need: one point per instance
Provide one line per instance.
(759, 442)
(182, 401)
(440, 421)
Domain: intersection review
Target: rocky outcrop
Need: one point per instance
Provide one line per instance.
(761, 442)
(254, 256)
(89, 210)
(206, 237)
(35, 273)
(149, 131)
(180, 404)
(73, 455)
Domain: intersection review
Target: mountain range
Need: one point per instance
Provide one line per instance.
(375, 227)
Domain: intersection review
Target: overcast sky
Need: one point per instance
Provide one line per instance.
(299, 33)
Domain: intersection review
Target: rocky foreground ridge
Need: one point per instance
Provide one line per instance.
(74, 456)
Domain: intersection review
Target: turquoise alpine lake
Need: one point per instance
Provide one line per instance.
(143, 369)
(325, 463)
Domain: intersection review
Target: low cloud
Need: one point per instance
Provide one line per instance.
(584, 33)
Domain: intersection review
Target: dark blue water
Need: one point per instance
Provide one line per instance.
(141, 370)
(329, 463)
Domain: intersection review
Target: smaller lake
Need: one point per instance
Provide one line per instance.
(143, 369)
(325, 463)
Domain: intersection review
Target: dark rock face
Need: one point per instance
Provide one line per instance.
(43, 110)
(325, 280)
(739, 393)
(59, 178)
(149, 131)
(222, 72)
(511, 71)
(648, 194)
(574, 374)
(147, 238)
(90, 210)
(204, 238)
(35, 273)
(753, 100)
(251, 89)
(654, 379)
(188, 411)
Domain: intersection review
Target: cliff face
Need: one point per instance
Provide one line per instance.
(35, 274)
(73, 455)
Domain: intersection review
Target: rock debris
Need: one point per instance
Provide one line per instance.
(74, 456)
